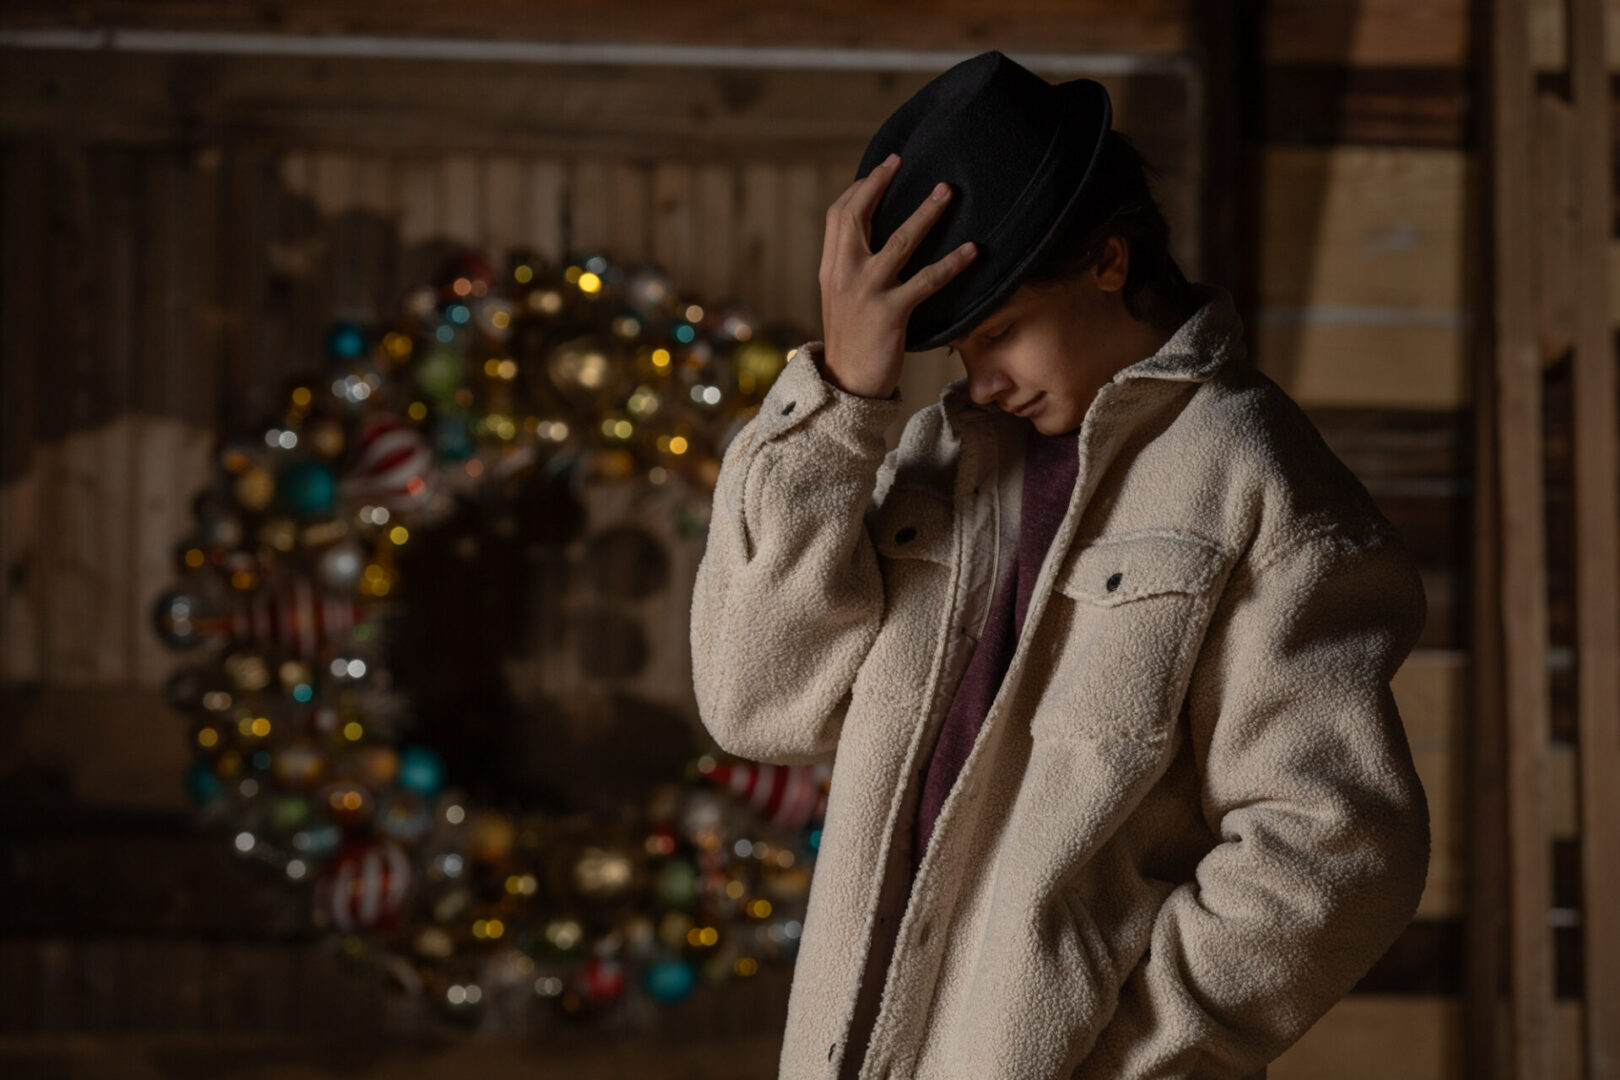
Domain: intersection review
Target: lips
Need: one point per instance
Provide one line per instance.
(1023, 410)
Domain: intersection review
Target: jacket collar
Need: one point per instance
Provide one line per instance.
(1200, 347)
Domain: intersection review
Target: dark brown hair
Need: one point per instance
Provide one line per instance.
(1121, 203)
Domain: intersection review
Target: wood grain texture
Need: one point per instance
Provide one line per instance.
(1378, 33)
(1522, 618)
(1326, 104)
(1152, 26)
(1596, 453)
(1405, 1038)
(1360, 275)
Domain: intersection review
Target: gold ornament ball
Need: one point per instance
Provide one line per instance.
(376, 765)
(673, 928)
(490, 835)
(247, 671)
(279, 534)
(324, 435)
(602, 873)
(612, 464)
(564, 934)
(758, 363)
(584, 362)
(254, 488)
(434, 944)
(346, 803)
(298, 765)
(293, 673)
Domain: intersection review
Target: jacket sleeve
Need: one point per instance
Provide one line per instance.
(1308, 781)
(788, 597)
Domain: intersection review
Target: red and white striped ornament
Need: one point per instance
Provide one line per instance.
(391, 466)
(365, 886)
(297, 616)
(785, 795)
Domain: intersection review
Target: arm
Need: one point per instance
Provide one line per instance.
(1309, 782)
(788, 597)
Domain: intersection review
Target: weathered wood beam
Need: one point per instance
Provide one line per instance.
(1597, 534)
(1519, 613)
(1148, 26)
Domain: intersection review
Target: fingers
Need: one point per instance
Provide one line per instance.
(849, 222)
(864, 198)
(904, 240)
(873, 181)
(915, 289)
(850, 217)
(846, 254)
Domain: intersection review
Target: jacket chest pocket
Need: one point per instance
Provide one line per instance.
(912, 525)
(1127, 617)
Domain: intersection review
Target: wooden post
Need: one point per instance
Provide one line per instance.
(1522, 613)
(1597, 539)
(1485, 960)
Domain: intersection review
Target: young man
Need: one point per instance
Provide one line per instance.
(1101, 650)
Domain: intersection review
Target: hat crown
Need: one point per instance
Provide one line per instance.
(1015, 150)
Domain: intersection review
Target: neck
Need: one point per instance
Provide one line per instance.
(1139, 341)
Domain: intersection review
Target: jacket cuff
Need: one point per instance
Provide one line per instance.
(801, 393)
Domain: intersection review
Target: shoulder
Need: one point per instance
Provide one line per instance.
(1298, 489)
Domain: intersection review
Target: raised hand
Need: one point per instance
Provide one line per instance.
(863, 310)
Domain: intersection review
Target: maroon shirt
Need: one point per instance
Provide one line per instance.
(1051, 463)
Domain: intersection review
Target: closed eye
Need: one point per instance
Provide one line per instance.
(950, 350)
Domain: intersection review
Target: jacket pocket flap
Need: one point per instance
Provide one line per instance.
(912, 524)
(1117, 569)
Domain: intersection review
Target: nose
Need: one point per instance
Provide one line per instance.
(985, 386)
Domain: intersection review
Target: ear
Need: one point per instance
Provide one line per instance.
(1113, 266)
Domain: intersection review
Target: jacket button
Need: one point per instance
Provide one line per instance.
(788, 408)
(1113, 582)
(830, 1049)
(904, 536)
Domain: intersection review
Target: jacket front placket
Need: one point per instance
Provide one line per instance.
(982, 521)
(913, 972)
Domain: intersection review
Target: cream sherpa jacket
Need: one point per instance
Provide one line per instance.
(1190, 822)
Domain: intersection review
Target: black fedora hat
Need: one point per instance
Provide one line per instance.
(1017, 151)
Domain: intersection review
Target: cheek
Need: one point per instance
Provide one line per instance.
(1031, 365)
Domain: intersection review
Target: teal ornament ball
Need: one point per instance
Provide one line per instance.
(201, 784)
(670, 980)
(345, 341)
(421, 770)
(307, 488)
(452, 436)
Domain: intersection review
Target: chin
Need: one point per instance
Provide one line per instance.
(1051, 422)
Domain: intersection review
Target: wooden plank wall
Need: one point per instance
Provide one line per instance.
(1367, 299)
(202, 228)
